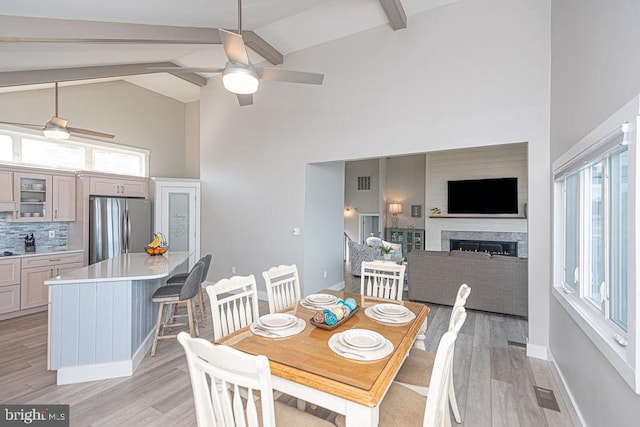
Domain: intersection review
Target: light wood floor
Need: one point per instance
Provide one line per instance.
(493, 380)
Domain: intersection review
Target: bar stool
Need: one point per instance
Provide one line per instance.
(177, 294)
(180, 278)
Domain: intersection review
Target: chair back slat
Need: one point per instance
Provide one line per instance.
(234, 304)
(382, 279)
(283, 287)
(220, 377)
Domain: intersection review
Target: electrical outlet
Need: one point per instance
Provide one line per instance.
(52, 234)
(324, 274)
(233, 270)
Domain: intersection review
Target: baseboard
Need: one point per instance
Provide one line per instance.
(24, 312)
(538, 351)
(337, 287)
(574, 411)
(102, 371)
(142, 351)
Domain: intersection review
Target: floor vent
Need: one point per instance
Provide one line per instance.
(546, 398)
(517, 344)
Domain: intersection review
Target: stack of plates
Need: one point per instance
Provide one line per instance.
(360, 344)
(319, 301)
(278, 325)
(390, 313)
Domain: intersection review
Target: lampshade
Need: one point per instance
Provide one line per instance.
(243, 81)
(395, 208)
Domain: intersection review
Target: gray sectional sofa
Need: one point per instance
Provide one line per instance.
(498, 283)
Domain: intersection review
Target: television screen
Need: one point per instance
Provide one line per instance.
(483, 196)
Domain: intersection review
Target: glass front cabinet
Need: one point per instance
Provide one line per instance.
(32, 194)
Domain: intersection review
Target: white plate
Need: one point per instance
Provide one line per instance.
(322, 299)
(277, 321)
(393, 310)
(362, 339)
(359, 355)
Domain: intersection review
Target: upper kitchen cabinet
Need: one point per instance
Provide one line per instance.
(64, 198)
(32, 192)
(6, 192)
(42, 197)
(119, 187)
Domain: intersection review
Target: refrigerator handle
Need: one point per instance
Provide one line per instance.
(128, 231)
(123, 232)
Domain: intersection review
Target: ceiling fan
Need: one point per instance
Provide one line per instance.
(239, 76)
(57, 128)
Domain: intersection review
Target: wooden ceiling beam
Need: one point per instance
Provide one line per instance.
(395, 13)
(44, 30)
(30, 77)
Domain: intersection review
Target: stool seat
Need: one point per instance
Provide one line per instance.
(169, 291)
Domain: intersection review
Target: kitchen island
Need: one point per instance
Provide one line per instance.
(101, 318)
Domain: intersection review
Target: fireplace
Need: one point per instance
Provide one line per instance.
(486, 246)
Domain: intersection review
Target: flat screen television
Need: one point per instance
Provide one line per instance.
(483, 196)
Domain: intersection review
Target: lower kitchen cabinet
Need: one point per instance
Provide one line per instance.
(35, 270)
(9, 285)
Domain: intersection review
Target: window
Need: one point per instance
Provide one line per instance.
(6, 148)
(594, 276)
(35, 150)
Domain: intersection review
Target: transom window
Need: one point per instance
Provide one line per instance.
(72, 154)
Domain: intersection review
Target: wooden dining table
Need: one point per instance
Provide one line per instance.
(305, 367)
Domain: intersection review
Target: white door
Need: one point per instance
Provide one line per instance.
(179, 220)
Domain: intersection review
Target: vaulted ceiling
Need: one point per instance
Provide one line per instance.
(43, 41)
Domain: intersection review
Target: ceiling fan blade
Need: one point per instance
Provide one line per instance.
(188, 69)
(290, 76)
(24, 125)
(234, 47)
(245, 99)
(88, 132)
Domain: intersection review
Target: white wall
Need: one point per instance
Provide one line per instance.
(473, 73)
(595, 71)
(323, 220)
(360, 202)
(504, 161)
(136, 116)
(405, 184)
(192, 140)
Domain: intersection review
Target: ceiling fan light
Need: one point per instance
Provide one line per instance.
(241, 81)
(56, 132)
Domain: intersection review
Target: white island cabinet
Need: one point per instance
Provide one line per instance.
(102, 318)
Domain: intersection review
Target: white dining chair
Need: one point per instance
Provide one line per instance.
(234, 304)
(415, 372)
(461, 300)
(402, 406)
(232, 388)
(382, 279)
(283, 287)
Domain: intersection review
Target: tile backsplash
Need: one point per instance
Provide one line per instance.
(12, 235)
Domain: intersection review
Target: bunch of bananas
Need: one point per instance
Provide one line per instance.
(158, 245)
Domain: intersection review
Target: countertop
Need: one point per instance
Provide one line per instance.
(43, 253)
(134, 266)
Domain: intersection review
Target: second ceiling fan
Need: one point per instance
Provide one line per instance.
(239, 75)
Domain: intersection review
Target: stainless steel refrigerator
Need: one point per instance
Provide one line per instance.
(117, 226)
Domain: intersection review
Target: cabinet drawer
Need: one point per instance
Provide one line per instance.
(51, 260)
(10, 272)
(9, 298)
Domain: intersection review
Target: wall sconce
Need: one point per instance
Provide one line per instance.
(395, 209)
(348, 212)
